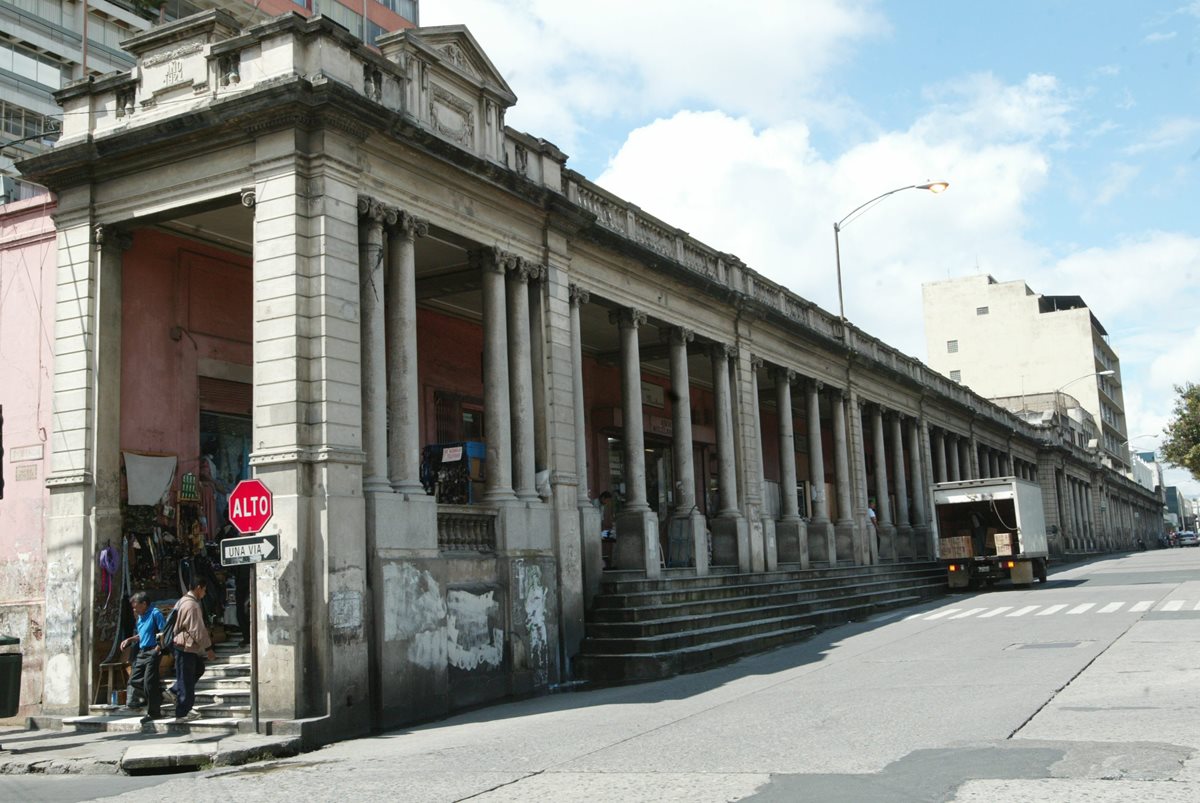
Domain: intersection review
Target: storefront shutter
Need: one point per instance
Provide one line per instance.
(225, 396)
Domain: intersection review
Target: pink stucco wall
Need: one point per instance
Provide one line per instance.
(27, 265)
(182, 302)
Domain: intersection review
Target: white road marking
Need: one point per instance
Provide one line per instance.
(996, 612)
(1144, 605)
(1087, 606)
(1197, 608)
(1025, 610)
(940, 614)
(1111, 607)
(1050, 610)
(1173, 605)
(965, 614)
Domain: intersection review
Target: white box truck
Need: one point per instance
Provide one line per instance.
(990, 530)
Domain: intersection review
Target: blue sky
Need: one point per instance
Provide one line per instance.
(1070, 133)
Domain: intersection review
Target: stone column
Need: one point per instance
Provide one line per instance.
(730, 533)
(920, 490)
(994, 463)
(904, 531)
(520, 377)
(538, 335)
(821, 538)
(883, 507)
(404, 389)
(687, 526)
(971, 463)
(497, 422)
(961, 464)
(844, 530)
(590, 519)
(939, 456)
(637, 544)
(372, 216)
(791, 536)
(952, 452)
(864, 535)
(763, 551)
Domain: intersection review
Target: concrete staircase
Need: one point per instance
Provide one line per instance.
(639, 629)
(222, 698)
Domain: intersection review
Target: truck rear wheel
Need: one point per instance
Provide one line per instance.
(1039, 570)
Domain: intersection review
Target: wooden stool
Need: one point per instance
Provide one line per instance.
(112, 678)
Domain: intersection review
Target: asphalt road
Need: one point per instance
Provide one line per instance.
(1083, 688)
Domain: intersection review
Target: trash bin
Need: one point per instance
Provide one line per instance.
(10, 676)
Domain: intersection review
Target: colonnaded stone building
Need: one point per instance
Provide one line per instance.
(280, 252)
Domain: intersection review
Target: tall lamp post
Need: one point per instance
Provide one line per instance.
(932, 186)
(1059, 389)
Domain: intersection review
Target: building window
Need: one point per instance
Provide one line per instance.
(981, 310)
(951, 346)
(956, 376)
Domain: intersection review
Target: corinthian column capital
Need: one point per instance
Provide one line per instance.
(627, 317)
(577, 295)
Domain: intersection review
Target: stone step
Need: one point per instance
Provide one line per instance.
(653, 607)
(100, 721)
(223, 696)
(672, 595)
(684, 638)
(654, 629)
(671, 619)
(638, 667)
(619, 582)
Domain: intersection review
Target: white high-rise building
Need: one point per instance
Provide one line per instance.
(1002, 339)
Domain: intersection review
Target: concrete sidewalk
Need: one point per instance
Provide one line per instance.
(99, 745)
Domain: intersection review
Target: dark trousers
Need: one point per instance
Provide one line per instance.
(188, 668)
(241, 581)
(145, 684)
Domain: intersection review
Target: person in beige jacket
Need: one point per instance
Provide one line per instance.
(192, 644)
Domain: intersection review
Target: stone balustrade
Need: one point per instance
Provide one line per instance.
(466, 528)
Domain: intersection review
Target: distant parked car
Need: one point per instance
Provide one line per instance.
(1189, 539)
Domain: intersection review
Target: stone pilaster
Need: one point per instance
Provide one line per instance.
(589, 515)
(372, 217)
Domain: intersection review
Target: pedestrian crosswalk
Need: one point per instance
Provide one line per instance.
(1052, 609)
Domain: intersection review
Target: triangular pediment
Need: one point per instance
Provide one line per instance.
(453, 48)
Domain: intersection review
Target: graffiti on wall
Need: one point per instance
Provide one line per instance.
(458, 629)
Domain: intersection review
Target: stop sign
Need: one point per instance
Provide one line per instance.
(249, 506)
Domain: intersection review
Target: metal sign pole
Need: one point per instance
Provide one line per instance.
(254, 645)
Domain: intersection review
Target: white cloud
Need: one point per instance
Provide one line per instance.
(1156, 37)
(1168, 134)
(625, 60)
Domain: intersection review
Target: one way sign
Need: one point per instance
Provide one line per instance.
(250, 549)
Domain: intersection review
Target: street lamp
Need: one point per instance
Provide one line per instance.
(933, 186)
(1059, 389)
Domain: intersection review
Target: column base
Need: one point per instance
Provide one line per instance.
(731, 542)
(637, 544)
(822, 548)
(922, 548)
(791, 540)
(590, 519)
(843, 548)
(887, 543)
(770, 545)
(904, 542)
(688, 534)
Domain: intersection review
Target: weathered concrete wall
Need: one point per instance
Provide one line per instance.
(27, 272)
(459, 632)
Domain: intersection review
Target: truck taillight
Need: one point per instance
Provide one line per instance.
(1012, 564)
(953, 568)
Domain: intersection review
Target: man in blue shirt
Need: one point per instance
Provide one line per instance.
(145, 685)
